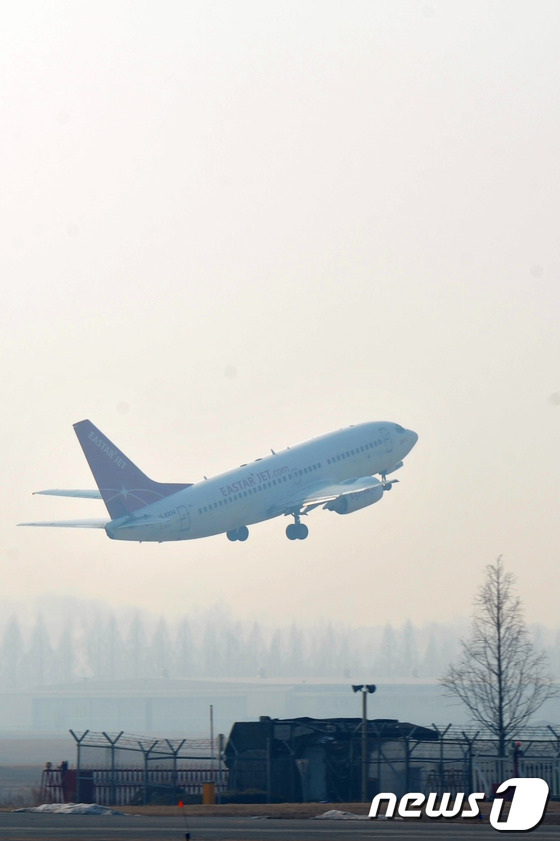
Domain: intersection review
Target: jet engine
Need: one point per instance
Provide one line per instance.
(347, 503)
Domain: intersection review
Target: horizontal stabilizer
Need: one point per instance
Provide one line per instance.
(73, 524)
(77, 494)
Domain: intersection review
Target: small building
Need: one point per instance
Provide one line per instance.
(310, 759)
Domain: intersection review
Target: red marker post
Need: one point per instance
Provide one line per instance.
(187, 833)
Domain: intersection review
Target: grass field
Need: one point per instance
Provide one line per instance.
(280, 810)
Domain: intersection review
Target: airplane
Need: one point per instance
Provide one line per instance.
(335, 471)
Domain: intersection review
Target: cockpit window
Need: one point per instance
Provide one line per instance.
(399, 428)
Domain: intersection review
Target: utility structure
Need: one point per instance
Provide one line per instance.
(365, 689)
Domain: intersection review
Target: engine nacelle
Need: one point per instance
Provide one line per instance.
(347, 503)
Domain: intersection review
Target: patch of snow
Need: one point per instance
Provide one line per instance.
(338, 815)
(71, 809)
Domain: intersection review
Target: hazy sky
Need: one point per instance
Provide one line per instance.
(230, 226)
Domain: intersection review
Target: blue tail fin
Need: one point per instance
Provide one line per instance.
(123, 486)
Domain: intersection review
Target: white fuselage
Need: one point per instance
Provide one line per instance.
(258, 491)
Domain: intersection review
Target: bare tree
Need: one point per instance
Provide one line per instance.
(500, 676)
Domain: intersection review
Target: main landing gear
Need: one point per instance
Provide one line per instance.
(297, 530)
(387, 486)
(242, 533)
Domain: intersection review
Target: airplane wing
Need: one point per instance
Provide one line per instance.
(73, 524)
(79, 494)
(323, 492)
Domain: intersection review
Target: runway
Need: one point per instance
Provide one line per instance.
(25, 826)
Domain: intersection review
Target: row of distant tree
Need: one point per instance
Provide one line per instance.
(104, 646)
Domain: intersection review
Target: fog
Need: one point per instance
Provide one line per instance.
(80, 664)
(231, 227)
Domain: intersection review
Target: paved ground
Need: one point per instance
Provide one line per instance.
(36, 827)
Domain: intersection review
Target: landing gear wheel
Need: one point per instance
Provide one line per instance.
(297, 531)
(242, 533)
(387, 486)
(292, 532)
(302, 531)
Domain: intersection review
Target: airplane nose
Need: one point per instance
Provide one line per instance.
(412, 437)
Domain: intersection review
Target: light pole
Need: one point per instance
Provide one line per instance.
(364, 688)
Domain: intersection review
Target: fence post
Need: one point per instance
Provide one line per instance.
(441, 739)
(406, 763)
(408, 752)
(146, 758)
(556, 775)
(112, 742)
(470, 768)
(78, 760)
(175, 752)
(268, 769)
(377, 734)
(221, 740)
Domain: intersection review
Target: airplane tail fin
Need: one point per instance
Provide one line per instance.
(122, 485)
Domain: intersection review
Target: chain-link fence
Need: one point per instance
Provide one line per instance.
(120, 769)
(299, 760)
(311, 759)
(462, 760)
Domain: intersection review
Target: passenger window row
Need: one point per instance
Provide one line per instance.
(309, 469)
(221, 503)
(349, 453)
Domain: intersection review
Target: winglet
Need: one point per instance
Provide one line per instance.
(123, 486)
